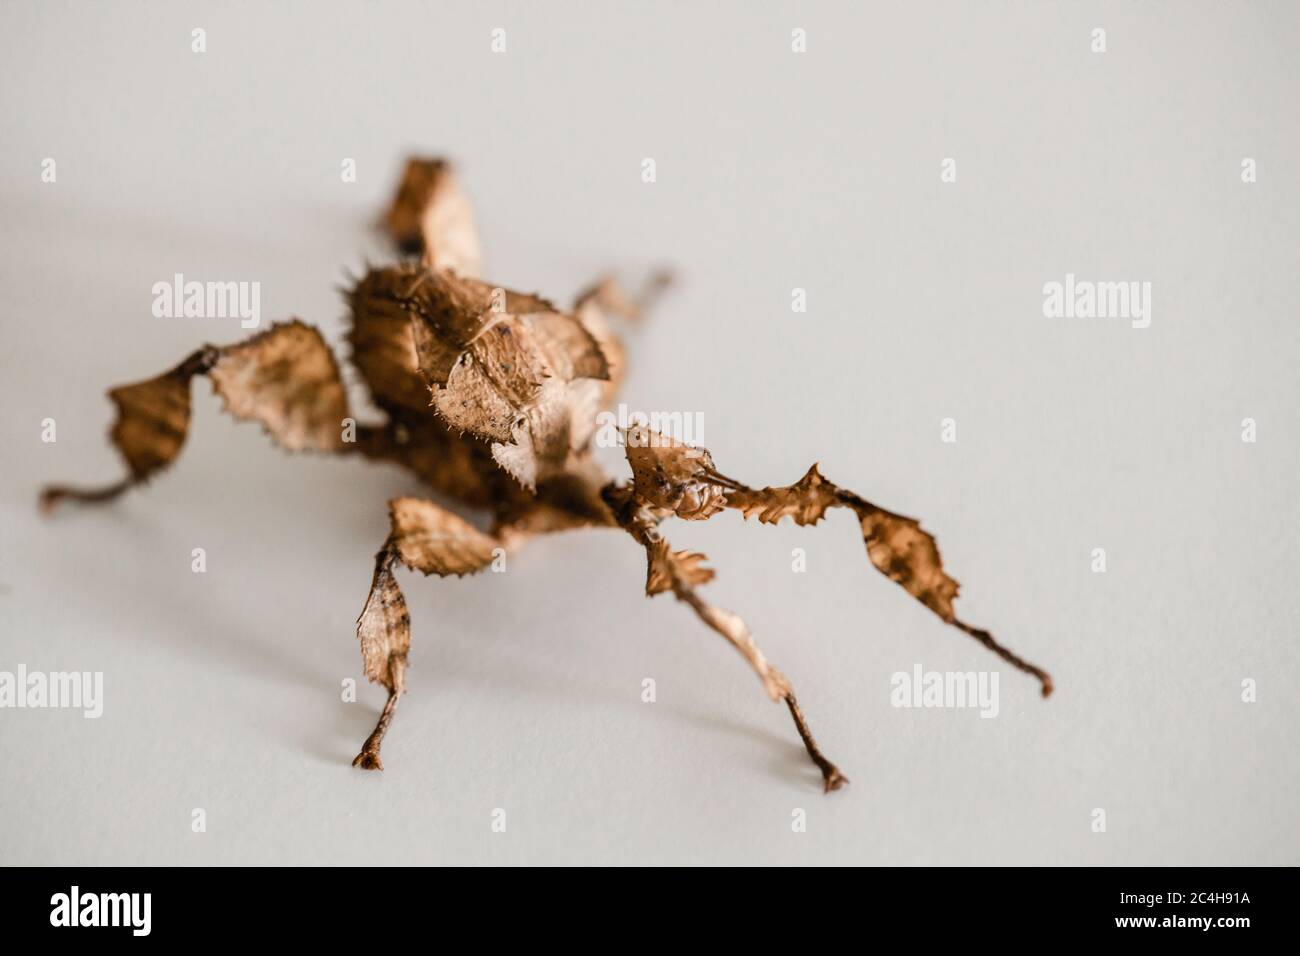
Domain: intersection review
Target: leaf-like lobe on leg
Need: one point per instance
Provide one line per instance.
(805, 501)
(286, 379)
(384, 627)
(664, 566)
(907, 555)
(153, 419)
(434, 540)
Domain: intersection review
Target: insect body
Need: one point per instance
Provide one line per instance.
(492, 397)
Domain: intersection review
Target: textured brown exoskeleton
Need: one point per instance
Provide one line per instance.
(491, 397)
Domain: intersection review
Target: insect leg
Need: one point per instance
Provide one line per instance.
(285, 378)
(897, 546)
(427, 538)
(680, 572)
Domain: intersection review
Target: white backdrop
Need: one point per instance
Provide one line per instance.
(776, 170)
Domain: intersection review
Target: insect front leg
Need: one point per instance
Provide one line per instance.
(680, 572)
(897, 546)
(384, 628)
(427, 538)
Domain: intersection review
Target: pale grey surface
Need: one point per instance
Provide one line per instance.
(775, 170)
